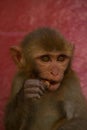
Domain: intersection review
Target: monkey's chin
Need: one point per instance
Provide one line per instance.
(54, 87)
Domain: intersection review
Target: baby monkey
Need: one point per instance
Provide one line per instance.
(46, 92)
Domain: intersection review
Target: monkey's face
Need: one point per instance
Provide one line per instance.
(51, 67)
(44, 54)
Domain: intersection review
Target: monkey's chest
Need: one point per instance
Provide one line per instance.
(46, 115)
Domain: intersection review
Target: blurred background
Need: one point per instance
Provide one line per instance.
(18, 17)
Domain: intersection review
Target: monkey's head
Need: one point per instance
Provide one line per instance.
(46, 54)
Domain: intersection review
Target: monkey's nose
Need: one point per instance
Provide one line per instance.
(54, 72)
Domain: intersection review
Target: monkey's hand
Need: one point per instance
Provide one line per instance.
(34, 88)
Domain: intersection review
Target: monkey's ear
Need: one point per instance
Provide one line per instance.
(16, 53)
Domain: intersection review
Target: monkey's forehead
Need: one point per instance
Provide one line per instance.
(46, 39)
(45, 48)
(36, 51)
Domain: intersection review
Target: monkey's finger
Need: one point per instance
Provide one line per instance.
(35, 83)
(33, 96)
(32, 82)
(43, 87)
(34, 90)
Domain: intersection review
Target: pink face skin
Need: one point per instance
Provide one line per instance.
(51, 68)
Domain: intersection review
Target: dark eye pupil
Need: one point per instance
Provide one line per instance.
(45, 58)
(61, 58)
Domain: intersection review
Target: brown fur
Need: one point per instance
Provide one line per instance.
(63, 109)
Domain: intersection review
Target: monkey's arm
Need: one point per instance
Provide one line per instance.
(13, 113)
(17, 106)
(75, 104)
(14, 107)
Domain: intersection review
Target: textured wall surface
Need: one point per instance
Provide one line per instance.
(18, 17)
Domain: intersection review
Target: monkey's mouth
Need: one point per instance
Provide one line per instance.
(52, 85)
(52, 82)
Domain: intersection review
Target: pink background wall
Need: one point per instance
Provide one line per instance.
(18, 17)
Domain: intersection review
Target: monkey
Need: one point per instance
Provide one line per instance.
(46, 92)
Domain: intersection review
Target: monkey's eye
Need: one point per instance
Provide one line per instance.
(45, 58)
(61, 58)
